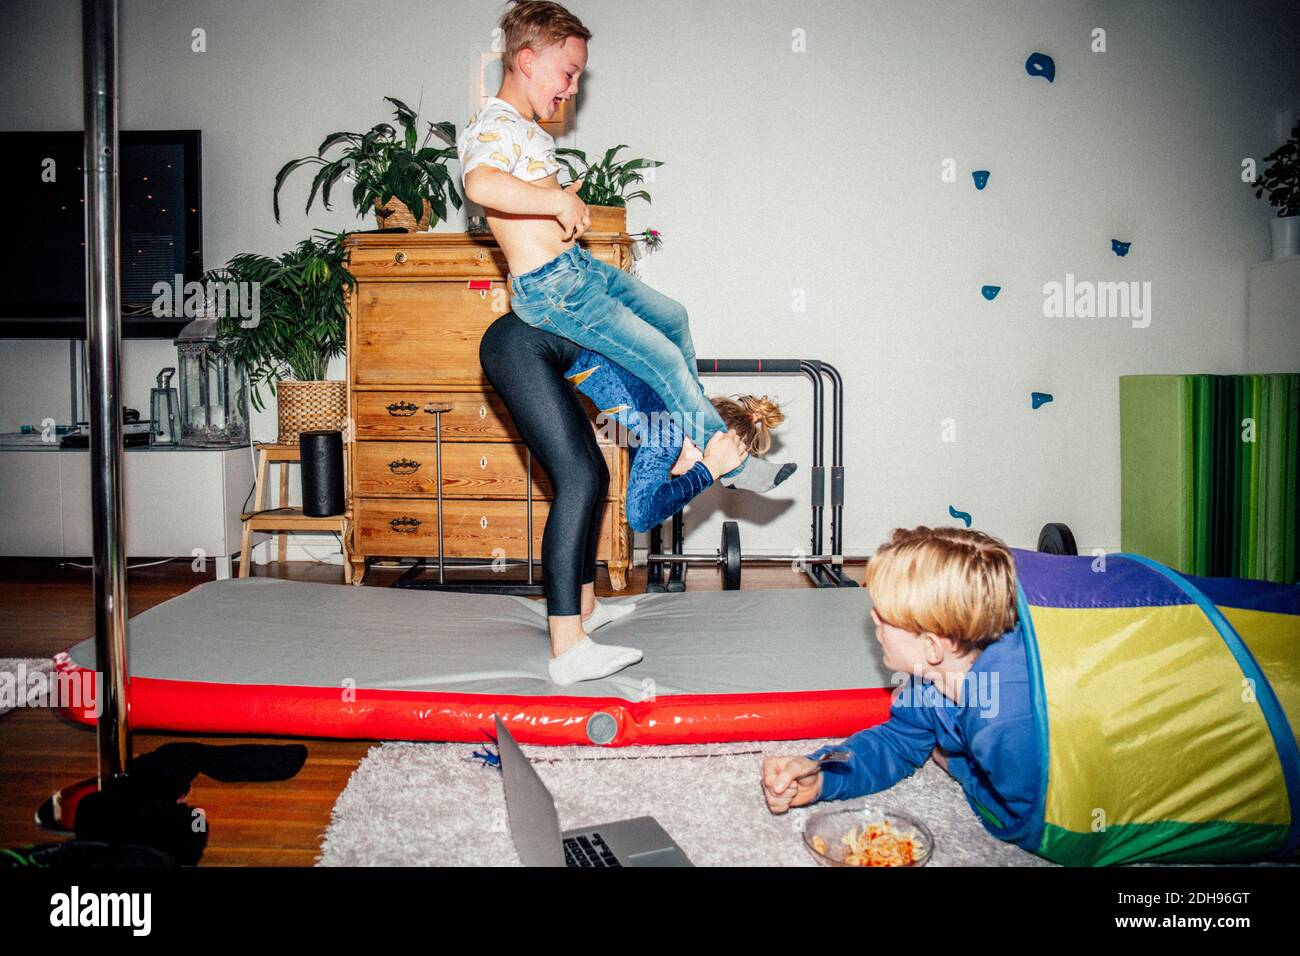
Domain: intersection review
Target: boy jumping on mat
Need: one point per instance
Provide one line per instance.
(509, 168)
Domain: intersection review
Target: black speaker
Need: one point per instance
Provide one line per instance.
(322, 473)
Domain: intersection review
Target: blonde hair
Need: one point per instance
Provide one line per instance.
(537, 24)
(954, 582)
(752, 418)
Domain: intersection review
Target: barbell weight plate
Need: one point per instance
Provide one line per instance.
(730, 554)
(1056, 538)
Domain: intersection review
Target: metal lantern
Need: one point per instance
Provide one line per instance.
(163, 410)
(213, 390)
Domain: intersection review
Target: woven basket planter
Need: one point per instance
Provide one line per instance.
(396, 214)
(311, 406)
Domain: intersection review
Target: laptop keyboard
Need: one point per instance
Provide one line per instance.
(588, 851)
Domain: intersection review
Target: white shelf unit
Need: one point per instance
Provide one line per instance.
(176, 501)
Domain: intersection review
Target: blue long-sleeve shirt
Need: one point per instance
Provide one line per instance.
(990, 739)
(655, 441)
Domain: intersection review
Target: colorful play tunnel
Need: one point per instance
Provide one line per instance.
(1166, 707)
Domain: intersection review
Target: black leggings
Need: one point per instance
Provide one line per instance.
(526, 366)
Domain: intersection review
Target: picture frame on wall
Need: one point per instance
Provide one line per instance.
(487, 69)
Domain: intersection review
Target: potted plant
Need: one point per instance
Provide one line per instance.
(604, 185)
(392, 175)
(300, 326)
(1280, 182)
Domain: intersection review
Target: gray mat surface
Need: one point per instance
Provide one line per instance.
(272, 631)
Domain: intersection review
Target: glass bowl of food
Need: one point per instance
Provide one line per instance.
(867, 835)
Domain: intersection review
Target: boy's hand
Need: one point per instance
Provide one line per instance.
(790, 782)
(724, 452)
(574, 218)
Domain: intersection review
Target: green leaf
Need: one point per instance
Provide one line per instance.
(321, 177)
(333, 138)
(446, 131)
(405, 114)
(280, 177)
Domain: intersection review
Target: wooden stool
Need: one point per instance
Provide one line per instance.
(285, 519)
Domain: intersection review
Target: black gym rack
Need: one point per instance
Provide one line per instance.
(824, 570)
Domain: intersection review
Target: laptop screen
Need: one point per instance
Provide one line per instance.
(534, 824)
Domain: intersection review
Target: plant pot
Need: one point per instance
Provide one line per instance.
(608, 218)
(396, 213)
(1285, 233)
(310, 407)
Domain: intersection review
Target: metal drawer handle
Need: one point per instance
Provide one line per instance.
(431, 408)
(404, 466)
(400, 257)
(402, 409)
(405, 525)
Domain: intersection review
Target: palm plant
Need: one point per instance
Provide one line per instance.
(302, 312)
(384, 165)
(604, 183)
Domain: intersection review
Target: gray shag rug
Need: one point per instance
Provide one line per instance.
(18, 682)
(427, 804)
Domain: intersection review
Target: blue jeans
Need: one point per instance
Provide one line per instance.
(617, 315)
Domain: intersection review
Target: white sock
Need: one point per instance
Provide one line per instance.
(588, 660)
(605, 613)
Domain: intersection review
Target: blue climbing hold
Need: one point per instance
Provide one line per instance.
(1040, 64)
(1119, 248)
(1038, 399)
(990, 292)
(981, 177)
(963, 515)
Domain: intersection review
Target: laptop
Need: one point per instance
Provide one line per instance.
(535, 826)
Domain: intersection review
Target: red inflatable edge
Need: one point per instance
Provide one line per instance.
(301, 711)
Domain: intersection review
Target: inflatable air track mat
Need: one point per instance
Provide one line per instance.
(268, 656)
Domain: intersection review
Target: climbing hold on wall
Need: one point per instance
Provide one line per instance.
(961, 515)
(1119, 248)
(981, 177)
(990, 292)
(1038, 399)
(1040, 64)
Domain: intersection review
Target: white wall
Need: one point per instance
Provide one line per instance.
(816, 171)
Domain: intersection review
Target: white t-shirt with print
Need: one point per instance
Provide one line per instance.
(499, 137)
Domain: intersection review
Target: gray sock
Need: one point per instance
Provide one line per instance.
(760, 475)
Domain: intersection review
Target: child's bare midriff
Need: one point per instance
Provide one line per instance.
(529, 241)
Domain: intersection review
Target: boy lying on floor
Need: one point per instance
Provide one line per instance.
(944, 606)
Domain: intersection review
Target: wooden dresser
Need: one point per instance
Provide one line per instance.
(421, 304)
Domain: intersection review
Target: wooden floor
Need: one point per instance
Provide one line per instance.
(45, 608)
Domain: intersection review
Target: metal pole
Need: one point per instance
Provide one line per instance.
(104, 330)
(437, 444)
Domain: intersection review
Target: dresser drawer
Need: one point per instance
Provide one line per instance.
(478, 469)
(415, 333)
(444, 255)
(408, 256)
(409, 527)
(474, 415)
